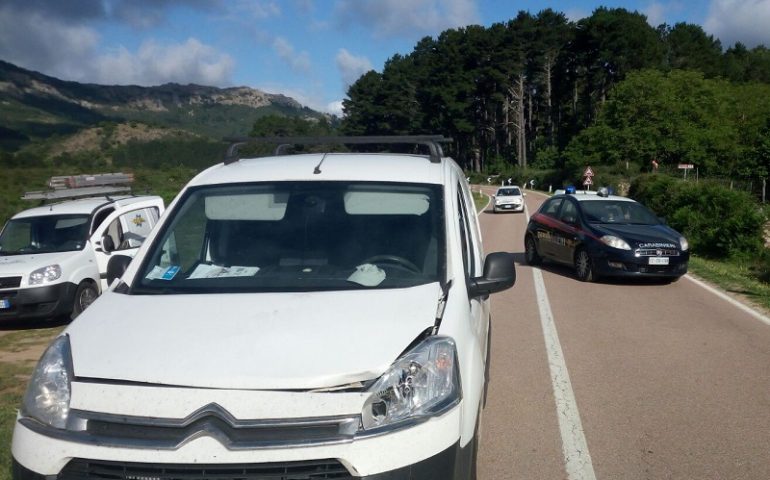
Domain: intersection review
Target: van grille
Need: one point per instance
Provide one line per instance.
(81, 469)
(10, 282)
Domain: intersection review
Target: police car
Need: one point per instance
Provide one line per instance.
(307, 316)
(605, 235)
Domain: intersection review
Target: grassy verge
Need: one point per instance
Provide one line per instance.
(480, 199)
(733, 276)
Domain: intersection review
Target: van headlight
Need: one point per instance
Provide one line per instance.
(424, 382)
(47, 399)
(45, 275)
(683, 244)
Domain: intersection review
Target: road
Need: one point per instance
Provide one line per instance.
(618, 380)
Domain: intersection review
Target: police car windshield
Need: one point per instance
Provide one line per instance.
(44, 234)
(617, 211)
(298, 236)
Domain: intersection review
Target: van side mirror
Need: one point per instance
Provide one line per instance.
(116, 267)
(499, 274)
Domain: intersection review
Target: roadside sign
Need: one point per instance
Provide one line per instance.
(588, 172)
(588, 181)
(686, 166)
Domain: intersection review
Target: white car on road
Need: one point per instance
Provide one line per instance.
(509, 198)
(321, 315)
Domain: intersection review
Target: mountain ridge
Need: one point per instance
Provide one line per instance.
(35, 106)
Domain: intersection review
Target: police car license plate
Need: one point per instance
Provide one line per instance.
(658, 260)
(4, 303)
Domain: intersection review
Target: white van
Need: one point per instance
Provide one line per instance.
(309, 316)
(53, 258)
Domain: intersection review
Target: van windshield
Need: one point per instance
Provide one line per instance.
(44, 234)
(298, 236)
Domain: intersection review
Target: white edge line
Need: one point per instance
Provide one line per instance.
(577, 459)
(762, 318)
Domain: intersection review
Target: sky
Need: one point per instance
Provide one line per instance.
(310, 50)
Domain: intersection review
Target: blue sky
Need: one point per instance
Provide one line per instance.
(310, 50)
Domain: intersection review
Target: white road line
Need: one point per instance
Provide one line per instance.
(577, 459)
(762, 318)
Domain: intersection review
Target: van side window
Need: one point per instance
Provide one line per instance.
(466, 240)
(99, 218)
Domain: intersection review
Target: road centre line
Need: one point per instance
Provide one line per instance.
(762, 318)
(577, 459)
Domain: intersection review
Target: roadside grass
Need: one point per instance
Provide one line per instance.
(14, 375)
(734, 276)
(480, 199)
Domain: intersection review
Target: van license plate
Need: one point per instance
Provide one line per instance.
(658, 260)
(4, 303)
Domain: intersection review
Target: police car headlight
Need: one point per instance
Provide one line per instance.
(47, 399)
(615, 242)
(424, 382)
(683, 244)
(45, 275)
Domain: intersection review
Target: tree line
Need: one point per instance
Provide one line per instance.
(543, 91)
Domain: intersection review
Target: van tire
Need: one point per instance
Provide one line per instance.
(84, 296)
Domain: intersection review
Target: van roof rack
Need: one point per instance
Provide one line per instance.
(81, 186)
(431, 141)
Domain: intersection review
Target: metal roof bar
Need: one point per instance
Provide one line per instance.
(431, 141)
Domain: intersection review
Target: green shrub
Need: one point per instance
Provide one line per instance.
(717, 221)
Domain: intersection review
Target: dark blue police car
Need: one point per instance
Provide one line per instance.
(605, 235)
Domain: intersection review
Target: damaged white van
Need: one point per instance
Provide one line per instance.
(307, 316)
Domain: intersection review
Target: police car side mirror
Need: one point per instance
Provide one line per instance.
(116, 267)
(499, 274)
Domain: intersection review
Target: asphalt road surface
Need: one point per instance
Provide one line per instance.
(620, 380)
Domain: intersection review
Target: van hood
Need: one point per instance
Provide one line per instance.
(23, 264)
(264, 341)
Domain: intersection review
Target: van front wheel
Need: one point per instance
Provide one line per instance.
(84, 296)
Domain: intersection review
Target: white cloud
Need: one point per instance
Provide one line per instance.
(656, 13)
(155, 63)
(413, 18)
(60, 49)
(575, 14)
(335, 108)
(351, 67)
(298, 61)
(42, 43)
(743, 21)
(258, 9)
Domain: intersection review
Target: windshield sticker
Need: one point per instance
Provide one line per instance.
(163, 273)
(367, 275)
(217, 271)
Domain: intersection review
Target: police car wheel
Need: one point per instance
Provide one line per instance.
(530, 251)
(584, 266)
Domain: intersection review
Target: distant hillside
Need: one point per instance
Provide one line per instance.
(34, 106)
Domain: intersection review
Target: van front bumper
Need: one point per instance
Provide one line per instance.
(38, 303)
(451, 463)
(430, 449)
